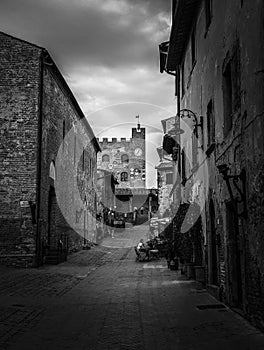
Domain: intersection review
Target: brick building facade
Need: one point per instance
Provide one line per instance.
(216, 52)
(37, 111)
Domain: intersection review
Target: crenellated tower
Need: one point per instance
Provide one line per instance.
(125, 158)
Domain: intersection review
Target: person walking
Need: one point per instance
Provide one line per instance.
(112, 225)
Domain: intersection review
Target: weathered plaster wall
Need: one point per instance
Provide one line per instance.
(236, 31)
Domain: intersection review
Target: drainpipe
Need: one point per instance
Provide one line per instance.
(39, 154)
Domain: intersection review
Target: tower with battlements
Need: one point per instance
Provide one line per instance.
(125, 158)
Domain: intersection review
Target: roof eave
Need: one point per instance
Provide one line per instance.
(184, 16)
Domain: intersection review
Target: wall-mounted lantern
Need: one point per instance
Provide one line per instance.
(239, 182)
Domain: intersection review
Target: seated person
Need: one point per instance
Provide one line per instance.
(140, 244)
(143, 247)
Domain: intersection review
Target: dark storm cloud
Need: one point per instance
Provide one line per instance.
(107, 51)
(109, 33)
(154, 6)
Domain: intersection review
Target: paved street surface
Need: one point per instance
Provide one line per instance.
(128, 237)
(103, 299)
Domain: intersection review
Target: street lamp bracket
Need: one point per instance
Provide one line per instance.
(187, 113)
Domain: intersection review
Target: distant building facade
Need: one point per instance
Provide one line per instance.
(126, 160)
(37, 111)
(216, 52)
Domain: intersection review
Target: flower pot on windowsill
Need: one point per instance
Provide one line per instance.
(200, 273)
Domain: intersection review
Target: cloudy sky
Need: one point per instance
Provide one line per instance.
(107, 50)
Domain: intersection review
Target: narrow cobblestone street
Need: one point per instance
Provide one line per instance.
(103, 299)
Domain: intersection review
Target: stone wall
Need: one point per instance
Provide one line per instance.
(235, 35)
(19, 96)
(59, 118)
(38, 101)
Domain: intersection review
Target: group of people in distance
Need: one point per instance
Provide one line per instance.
(158, 245)
(142, 247)
(146, 250)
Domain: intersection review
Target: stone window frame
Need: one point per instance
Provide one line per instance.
(105, 156)
(124, 176)
(124, 158)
